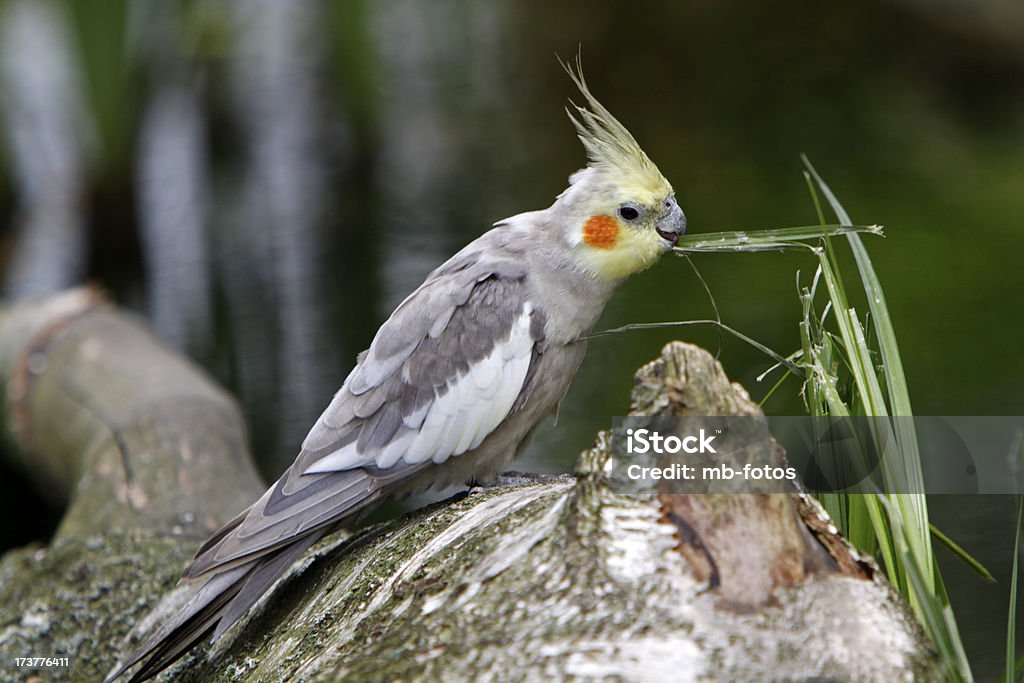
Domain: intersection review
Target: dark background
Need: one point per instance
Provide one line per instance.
(267, 179)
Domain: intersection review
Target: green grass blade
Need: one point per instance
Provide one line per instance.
(778, 358)
(1018, 670)
(932, 602)
(895, 565)
(771, 239)
(906, 467)
(958, 663)
(899, 395)
(849, 510)
(1011, 621)
(774, 388)
(899, 521)
(954, 548)
(862, 527)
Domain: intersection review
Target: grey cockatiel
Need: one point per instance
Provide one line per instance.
(454, 381)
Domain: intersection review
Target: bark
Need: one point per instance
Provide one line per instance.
(533, 578)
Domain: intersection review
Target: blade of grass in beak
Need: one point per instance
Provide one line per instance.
(770, 239)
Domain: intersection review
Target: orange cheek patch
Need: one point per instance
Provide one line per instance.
(601, 232)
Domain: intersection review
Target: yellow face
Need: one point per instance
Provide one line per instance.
(629, 236)
(627, 212)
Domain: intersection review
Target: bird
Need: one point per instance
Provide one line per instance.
(455, 380)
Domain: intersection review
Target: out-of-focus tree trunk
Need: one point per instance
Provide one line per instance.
(46, 125)
(426, 83)
(535, 578)
(172, 172)
(273, 248)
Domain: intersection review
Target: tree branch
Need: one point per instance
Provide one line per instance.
(534, 578)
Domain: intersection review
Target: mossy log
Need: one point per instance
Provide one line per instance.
(533, 578)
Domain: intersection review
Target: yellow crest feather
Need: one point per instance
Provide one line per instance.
(610, 147)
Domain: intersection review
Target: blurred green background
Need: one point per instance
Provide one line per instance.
(267, 179)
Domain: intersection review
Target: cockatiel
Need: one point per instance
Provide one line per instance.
(454, 381)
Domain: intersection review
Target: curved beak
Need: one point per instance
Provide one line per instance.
(672, 222)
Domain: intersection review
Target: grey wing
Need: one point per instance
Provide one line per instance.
(445, 370)
(450, 364)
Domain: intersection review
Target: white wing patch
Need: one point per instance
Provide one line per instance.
(472, 406)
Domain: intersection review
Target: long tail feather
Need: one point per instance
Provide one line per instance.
(184, 627)
(218, 603)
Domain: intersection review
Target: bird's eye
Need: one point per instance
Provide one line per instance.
(628, 212)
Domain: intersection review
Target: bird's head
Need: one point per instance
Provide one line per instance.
(621, 213)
